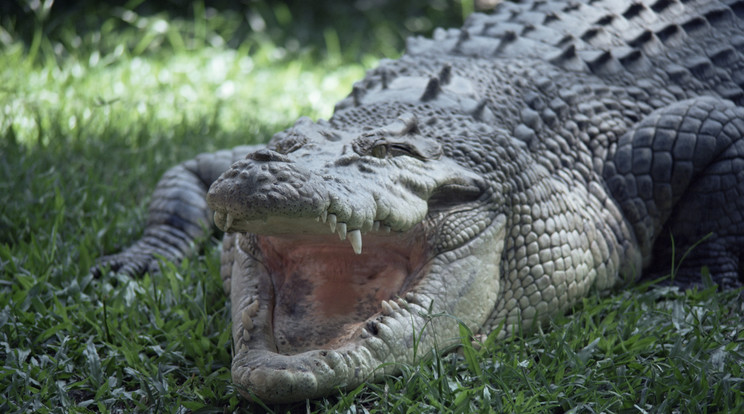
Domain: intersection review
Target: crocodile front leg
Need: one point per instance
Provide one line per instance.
(678, 176)
(178, 214)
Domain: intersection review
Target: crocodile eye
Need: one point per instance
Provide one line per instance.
(402, 149)
(379, 150)
(384, 148)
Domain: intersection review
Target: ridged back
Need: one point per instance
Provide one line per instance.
(696, 43)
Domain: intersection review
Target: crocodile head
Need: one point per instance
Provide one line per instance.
(346, 246)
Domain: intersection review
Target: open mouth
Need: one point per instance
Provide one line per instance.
(321, 293)
(315, 311)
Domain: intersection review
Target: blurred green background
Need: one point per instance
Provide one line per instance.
(359, 26)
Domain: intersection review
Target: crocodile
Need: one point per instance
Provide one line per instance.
(491, 177)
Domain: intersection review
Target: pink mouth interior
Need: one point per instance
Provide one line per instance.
(323, 292)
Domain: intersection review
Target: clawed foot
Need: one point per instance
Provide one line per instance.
(132, 262)
(147, 254)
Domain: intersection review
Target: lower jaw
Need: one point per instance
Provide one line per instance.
(263, 369)
(368, 355)
(401, 330)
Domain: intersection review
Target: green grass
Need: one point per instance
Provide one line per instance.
(94, 109)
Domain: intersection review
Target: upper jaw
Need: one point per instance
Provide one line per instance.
(322, 225)
(284, 198)
(346, 191)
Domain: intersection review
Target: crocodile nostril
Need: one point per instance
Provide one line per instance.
(267, 155)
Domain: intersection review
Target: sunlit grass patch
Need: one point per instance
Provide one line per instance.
(230, 90)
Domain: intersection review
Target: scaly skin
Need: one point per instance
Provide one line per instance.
(493, 175)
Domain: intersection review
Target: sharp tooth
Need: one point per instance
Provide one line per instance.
(341, 230)
(332, 222)
(355, 237)
(376, 226)
(247, 320)
(324, 216)
(387, 310)
(252, 309)
(228, 222)
(386, 229)
(246, 336)
(317, 218)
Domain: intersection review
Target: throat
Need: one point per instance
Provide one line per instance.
(324, 292)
